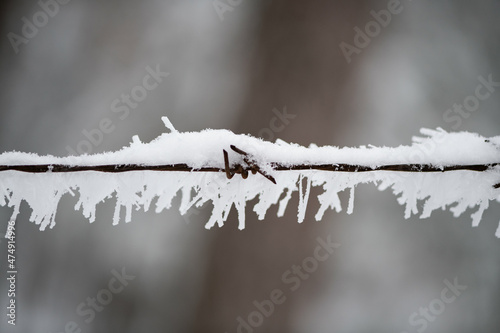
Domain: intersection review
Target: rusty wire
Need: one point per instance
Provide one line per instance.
(250, 166)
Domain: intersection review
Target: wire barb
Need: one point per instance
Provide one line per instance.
(254, 167)
(251, 165)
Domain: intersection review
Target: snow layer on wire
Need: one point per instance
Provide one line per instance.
(456, 190)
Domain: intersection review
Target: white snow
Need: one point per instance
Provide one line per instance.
(453, 190)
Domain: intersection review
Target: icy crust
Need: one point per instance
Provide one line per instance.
(456, 190)
(198, 149)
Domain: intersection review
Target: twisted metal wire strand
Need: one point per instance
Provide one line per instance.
(251, 166)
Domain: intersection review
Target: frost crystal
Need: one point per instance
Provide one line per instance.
(453, 190)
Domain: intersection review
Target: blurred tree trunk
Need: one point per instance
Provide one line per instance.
(297, 65)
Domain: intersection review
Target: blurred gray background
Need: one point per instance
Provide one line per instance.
(235, 64)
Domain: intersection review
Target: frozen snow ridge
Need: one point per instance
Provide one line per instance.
(270, 170)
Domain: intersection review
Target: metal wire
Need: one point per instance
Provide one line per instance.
(251, 166)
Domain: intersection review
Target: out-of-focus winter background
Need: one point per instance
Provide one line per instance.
(74, 79)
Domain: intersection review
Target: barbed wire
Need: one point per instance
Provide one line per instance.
(250, 166)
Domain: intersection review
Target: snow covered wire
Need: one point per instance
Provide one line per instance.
(244, 169)
(454, 171)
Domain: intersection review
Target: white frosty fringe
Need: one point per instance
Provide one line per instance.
(456, 190)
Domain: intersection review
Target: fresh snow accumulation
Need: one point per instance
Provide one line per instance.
(456, 190)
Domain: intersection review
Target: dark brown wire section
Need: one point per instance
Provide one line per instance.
(251, 166)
